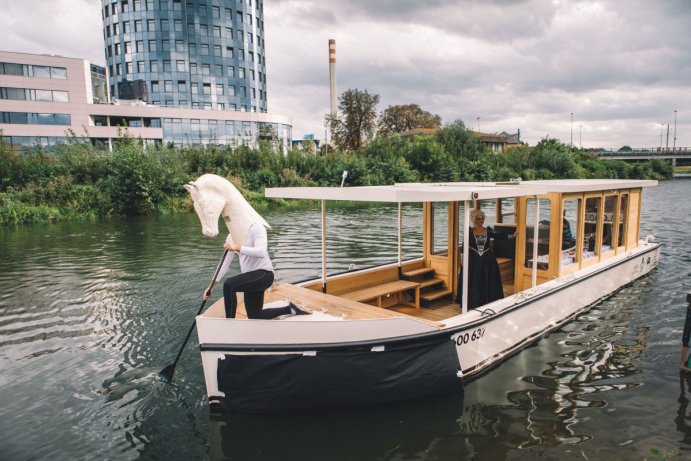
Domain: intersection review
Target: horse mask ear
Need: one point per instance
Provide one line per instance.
(191, 188)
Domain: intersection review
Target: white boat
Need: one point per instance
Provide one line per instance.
(395, 332)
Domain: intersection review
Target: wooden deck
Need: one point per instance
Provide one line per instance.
(315, 301)
(310, 300)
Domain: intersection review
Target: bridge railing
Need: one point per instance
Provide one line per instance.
(645, 152)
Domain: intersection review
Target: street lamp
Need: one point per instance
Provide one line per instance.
(478, 124)
(661, 126)
(674, 143)
(572, 130)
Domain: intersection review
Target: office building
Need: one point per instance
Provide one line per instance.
(181, 72)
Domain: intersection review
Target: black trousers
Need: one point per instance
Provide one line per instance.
(253, 284)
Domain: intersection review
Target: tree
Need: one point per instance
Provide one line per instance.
(400, 118)
(356, 120)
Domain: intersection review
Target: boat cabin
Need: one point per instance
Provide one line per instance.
(576, 223)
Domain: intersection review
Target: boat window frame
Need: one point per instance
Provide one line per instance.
(578, 234)
(586, 261)
(541, 267)
(613, 239)
(622, 231)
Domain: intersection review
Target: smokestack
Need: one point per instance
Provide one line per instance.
(332, 74)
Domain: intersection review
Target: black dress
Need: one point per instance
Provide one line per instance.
(484, 279)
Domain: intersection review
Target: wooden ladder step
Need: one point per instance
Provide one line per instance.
(430, 282)
(435, 295)
(417, 272)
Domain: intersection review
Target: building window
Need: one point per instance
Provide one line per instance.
(206, 88)
(154, 86)
(128, 47)
(126, 27)
(180, 66)
(217, 50)
(117, 49)
(153, 66)
(168, 86)
(206, 69)
(116, 29)
(241, 72)
(178, 25)
(231, 90)
(140, 67)
(182, 86)
(151, 25)
(138, 25)
(179, 45)
(118, 69)
(128, 67)
(217, 31)
(139, 46)
(215, 12)
(229, 51)
(167, 66)
(205, 49)
(165, 45)
(231, 71)
(219, 89)
(152, 45)
(164, 24)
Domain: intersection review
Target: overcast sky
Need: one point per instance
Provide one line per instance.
(621, 67)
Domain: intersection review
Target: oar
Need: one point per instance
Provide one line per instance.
(167, 373)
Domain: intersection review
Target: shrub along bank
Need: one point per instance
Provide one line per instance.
(79, 181)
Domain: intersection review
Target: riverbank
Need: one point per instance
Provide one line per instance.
(78, 181)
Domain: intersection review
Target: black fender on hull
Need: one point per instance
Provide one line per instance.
(264, 383)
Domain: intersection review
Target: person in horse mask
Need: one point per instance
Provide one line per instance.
(257, 275)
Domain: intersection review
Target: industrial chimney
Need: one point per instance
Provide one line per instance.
(332, 74)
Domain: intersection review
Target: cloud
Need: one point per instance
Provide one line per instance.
(620, 66)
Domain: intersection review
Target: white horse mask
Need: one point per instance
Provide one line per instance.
(214, 196)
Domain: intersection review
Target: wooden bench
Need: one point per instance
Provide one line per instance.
(385, 290)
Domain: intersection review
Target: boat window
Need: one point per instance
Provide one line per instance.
(545, 211)
(507, 211)
(440, 227)
(592, 216)
(623, 219)
(569, 231)
(608, 224)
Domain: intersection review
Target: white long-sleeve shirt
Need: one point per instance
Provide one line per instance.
(254, 254)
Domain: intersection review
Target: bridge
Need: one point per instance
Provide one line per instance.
(645, 153)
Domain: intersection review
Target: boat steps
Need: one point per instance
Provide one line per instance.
(417, 272)
(430, 283)
(434, 295)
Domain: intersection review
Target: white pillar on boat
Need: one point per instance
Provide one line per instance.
(400, 233)
(536, 234)
(324, 245)
(466, 253)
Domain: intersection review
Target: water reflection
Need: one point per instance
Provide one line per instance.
(683, 419)
(414, 430)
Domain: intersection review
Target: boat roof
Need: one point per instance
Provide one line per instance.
(453, 191)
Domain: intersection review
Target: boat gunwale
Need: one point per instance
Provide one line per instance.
(442, 331)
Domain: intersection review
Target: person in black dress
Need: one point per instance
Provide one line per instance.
(484, 277)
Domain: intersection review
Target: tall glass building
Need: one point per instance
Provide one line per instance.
(205, 54)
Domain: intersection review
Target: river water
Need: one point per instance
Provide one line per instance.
(91, 312)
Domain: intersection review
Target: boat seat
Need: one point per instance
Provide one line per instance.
(385, 290)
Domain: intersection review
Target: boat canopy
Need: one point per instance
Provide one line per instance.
(452, 191)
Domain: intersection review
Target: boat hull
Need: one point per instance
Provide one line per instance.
(267, 366)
